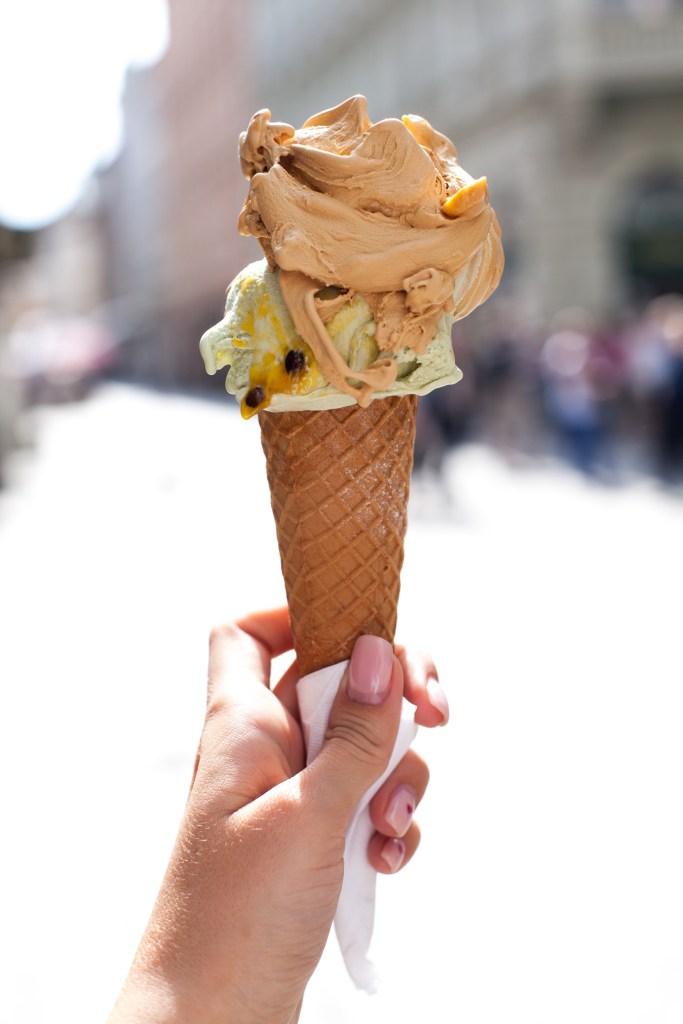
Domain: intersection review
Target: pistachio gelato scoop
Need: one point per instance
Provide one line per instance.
(272, 367)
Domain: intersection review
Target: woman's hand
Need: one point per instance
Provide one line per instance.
(253, 882)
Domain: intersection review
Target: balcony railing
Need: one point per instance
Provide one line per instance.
(630, 46)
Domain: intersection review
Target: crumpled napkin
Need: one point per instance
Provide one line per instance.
(356, 908)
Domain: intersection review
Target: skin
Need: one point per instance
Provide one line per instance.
(252, 885)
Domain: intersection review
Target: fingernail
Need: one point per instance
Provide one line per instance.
(372, 663)
(393, 852)
(400, 809)
(437, 698)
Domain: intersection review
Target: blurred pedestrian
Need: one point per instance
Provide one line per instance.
(571, 398)
(671, 435)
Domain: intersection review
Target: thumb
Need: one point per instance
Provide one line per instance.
(362, 728)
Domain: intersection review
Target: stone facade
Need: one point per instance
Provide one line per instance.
(173, 196)
(569, 106)
(573, 108)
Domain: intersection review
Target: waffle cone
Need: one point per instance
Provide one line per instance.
(339, 484)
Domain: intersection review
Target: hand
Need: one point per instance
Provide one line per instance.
(253, 882)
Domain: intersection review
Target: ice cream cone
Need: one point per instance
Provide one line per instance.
(375, 241)
(339, 483)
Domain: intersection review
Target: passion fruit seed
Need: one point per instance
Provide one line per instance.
(255, 397)
(332, 291)
(295, 361)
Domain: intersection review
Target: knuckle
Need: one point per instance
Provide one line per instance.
(225, 631)
(424, 774)
(361, 740)
(417, 663)
(217, 706)
(426, 662)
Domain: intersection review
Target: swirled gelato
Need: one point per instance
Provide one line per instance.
(375, 241)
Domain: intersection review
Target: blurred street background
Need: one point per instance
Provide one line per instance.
(544, 558)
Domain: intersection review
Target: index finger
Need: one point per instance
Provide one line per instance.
(248, 646)
(271, 628)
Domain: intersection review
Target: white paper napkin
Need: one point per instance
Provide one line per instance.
(356, 909)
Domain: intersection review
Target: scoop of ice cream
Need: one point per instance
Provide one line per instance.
(272, 366)
(383, 211)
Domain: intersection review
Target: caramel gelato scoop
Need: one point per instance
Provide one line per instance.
(376, 222)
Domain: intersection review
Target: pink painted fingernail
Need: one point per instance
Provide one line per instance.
(370, 670)
(437, 698)
(400, 809)
(393, 853)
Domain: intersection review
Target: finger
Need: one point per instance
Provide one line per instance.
(389, 855)
(422, 687)
(247, 648)
(285, 690)
(393, 805)
(361, 731)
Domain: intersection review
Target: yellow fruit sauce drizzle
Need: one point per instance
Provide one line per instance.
(268, 370)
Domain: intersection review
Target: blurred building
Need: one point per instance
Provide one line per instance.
(48, 278)
(573, 108)
(59, 269)
(172, 198)
(16, 248)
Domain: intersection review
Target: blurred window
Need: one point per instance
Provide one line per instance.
(640, 8)
(652, 236)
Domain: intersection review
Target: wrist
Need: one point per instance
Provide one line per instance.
(147, 998)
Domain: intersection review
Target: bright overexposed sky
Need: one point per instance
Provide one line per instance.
(61, 79)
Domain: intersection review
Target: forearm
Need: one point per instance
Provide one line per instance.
(193, 963)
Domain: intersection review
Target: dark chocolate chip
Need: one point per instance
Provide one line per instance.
(295, 361)
(255, 397)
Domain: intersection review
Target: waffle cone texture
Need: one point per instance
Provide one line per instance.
(339, 484)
